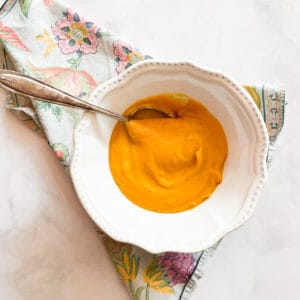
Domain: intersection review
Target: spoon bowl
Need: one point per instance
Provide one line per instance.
(149, 112)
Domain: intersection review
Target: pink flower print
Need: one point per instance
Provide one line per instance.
(61, 151)
(126, 55)
(179, 266)
(120, 52)
(77, 83)
(48, 2)
(121, 66)
(75, 34)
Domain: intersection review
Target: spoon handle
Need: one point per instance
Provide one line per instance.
(21, 84)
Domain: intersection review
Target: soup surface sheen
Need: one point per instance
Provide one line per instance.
(168, 165)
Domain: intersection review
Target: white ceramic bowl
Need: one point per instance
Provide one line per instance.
(245, 169)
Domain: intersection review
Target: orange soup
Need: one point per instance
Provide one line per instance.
(168, 165)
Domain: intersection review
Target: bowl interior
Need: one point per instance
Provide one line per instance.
(192, 230)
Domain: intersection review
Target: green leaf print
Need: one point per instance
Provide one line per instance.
(25, 5)
(56, 110)
(138, 292)
(43, 105)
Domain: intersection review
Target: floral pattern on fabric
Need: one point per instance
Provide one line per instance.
(78, 83)
(55, 109)
(253, 93)
(9, 37)
(24, 6)
(48, 39)
(157, 278)
(270, 102)
(126, 55)
(75, 34)
(159, 273)
(61, 151)
(126, 263)
(179, 266)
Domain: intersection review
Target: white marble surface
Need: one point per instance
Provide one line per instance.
(48, 247)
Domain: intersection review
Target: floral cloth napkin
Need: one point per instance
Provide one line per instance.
(52, 43)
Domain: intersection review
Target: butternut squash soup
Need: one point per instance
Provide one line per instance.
(168, 165)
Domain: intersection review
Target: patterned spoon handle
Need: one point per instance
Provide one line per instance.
(21, 84)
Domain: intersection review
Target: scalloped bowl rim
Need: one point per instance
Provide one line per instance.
(250, 201)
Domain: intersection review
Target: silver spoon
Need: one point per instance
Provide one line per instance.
(24, 85)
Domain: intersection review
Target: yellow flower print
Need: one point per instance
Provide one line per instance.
(78, 32)
(156, 278)
(126, 55)
(128, 266)
(134, 57)
(46, 38)
(251, 90)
